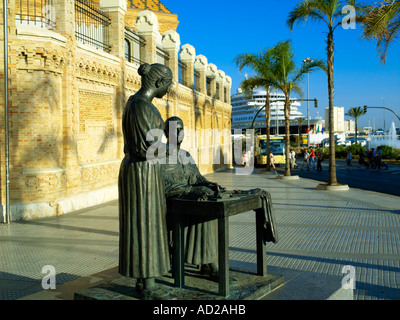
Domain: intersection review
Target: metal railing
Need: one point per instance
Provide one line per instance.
(133, 45)
(162, 56)
(39, 13)
(208, 86)
(92, 25)
(196, 79)
(181, 74)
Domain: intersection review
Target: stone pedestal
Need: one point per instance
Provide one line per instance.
(248, 286)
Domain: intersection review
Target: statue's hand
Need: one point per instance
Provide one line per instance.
(215, 187)
(221, 188)
(202, 190)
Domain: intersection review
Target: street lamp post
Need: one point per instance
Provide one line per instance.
(305, 61)
(384, 116)
(5, 38)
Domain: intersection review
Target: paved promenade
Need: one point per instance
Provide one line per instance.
(319, 231)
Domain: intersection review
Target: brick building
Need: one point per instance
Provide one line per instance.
(71, 67)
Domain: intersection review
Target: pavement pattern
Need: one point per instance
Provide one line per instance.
(319, 231)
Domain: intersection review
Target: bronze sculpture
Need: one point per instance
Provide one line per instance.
(143, 244)
(145, 182)
(182, 178)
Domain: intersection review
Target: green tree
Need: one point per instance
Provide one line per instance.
(287, 78)
(355, 113)
(261, 64)
(382, 23)
(329, 12)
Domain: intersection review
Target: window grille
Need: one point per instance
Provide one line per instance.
(133, 45)
(92, 25)
(39, 13)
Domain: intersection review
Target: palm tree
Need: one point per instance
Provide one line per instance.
(287, 78)
(261, 64)
(382, 23)
(355, 113)
(300, 121)
(330, 13)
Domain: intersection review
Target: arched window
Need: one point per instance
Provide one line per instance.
(128, 55)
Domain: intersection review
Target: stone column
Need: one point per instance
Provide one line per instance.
(13, 112)
(211, 76)
(200, 65)
(65, 25)
(188, 56)
(65, 18)
(147, 27)
(116, 10)
(220, 79)
(171, 43)
(228, 86)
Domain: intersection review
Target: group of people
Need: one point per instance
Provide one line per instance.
(372, 159)
(310, 156)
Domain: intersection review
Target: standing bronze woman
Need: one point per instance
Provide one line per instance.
(143, 244)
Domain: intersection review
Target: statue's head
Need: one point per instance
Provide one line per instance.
(156, 76)
(174, 130)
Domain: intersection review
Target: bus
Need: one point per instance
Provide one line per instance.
(276, 145)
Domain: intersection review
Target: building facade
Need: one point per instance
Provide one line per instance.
(72, 65)
(338, 119)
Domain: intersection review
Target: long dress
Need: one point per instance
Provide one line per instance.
(143, 242)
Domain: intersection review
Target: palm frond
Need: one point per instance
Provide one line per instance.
(311, 66)
(313, 10)
(355, 112)
(382, 23)
(296, 87)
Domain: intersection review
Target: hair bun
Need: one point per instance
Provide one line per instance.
(144, 69)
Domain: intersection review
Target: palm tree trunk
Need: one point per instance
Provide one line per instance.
(332, 180)
(287, 135)
(267, 126)
(355, 135)
(298, 133)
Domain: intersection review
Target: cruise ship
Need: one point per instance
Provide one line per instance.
(244, 109)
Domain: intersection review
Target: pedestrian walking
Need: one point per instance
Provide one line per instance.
(379, 157)
(312, 158)
(348, 159)
(272, 161)
(245, 158)
(373, 159)
(305, 160)
(361, 160)
(320, 158)
(292, 159)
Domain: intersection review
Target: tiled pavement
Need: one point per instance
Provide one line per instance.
(319, 231)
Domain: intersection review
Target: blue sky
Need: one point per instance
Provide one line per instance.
(221, 30)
